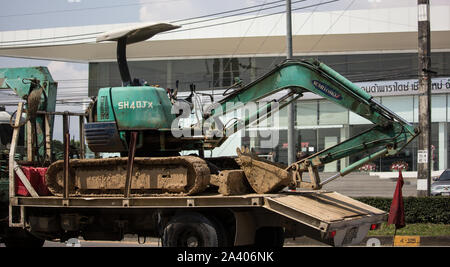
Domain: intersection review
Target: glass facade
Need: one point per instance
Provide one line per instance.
(216, 73)
(319, 123)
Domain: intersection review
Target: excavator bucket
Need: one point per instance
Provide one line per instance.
(262, 175)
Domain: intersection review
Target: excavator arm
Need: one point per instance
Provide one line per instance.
(388, 136)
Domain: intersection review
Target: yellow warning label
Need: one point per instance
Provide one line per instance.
(406, 241)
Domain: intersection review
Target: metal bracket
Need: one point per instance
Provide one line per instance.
(130, 164)
(125, 203)
(256, 201)
(190, 202)
(14, 201)
(314, 176)
(21, 221)
(297, 179)
(323, 226)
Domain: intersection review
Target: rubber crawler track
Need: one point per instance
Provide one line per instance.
(110, 175)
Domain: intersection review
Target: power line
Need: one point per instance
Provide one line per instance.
(52, 42)
(333, 65)
(86, 8)
(301, 27)
(243, 13)
(56, 37)
(92, 33)
(245, 19)
(51, 39)
(242, 38)
(275, 25)
(205, 26)
(96, 33)
(397, 72)
(226, 12)
(332, 25)
(395, 57)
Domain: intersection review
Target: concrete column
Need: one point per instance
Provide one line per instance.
(252, 142)
(345, 134)
(329, 142)
(443, 145)
(253, 74)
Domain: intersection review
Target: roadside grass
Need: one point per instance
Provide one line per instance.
(421, 229)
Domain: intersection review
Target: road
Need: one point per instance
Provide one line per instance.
(132, 241)
(129, 241)
(103, 244)
(364, 185)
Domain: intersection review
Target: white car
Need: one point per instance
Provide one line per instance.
(441, 186)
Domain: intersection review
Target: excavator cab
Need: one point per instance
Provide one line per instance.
(135, 106)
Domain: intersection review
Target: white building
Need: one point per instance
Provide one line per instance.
(376, 49)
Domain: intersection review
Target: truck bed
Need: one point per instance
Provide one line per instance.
(322, 210)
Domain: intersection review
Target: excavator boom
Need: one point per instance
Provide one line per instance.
(388, 136)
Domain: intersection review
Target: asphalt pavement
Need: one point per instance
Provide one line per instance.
(360, 184)
(383, 241)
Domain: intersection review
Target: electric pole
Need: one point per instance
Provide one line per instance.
(292, 144)
(424, 69)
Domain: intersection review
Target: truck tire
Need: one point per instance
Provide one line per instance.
(20, 238)
(269, 237)
(191, 230)
(223, 237)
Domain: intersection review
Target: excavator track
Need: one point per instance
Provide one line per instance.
(181, 175)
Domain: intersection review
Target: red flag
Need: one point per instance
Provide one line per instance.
(397, 211)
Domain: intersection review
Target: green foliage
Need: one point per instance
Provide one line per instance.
(417, 209)
(58, 149)
(4, 191)
(422, 229)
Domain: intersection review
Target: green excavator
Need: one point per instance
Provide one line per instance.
(142, 123)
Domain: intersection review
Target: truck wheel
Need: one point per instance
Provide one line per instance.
(223, 237)
(269, 237)
(191, 230)
(22, 239)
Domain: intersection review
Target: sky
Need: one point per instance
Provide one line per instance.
(26, 14)
(38, 14)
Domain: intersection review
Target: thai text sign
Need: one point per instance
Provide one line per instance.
(404, 87)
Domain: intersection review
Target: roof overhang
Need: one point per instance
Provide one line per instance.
(225, 47)
(389, 30)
